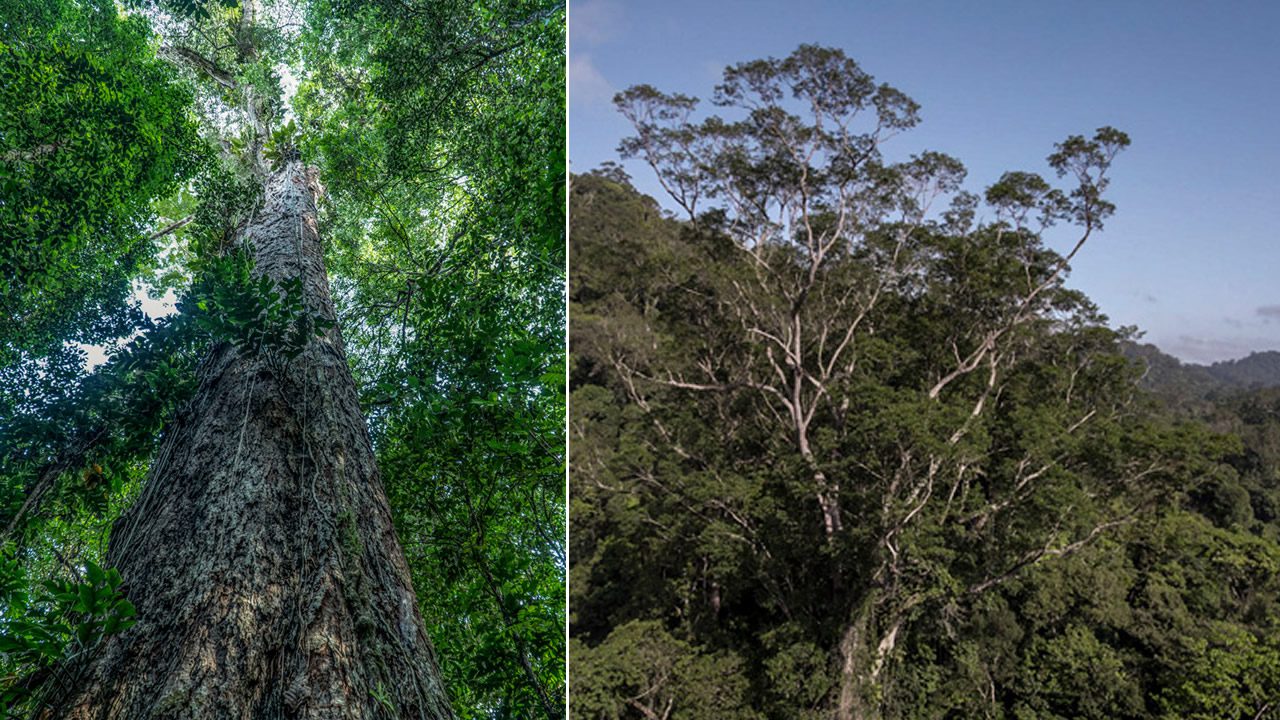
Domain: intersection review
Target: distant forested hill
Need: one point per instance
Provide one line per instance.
(1259, 369)
(1175, 380)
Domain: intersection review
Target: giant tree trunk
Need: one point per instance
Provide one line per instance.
(865, 646)
(260, 555)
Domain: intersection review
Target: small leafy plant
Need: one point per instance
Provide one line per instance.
(282, 146)
(55, 621)
(256, 315)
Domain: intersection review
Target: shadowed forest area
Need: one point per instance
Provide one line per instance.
(844, 442)
(327, 480)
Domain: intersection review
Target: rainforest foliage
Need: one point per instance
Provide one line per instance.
(844, 443)
(131, 142)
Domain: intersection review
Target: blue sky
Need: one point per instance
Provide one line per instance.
(1192, 255)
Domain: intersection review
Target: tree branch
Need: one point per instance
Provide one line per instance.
(199, 63)
(172, 228)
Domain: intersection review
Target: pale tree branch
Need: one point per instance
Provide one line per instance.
(199, 63)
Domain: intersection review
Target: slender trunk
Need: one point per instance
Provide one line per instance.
(827, 492)
(260, 555)
(829, 501)
(522, 648)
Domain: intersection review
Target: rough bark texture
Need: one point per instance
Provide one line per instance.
(261, 555)
(865, 647)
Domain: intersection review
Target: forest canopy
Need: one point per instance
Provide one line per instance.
(137, 144)
(845, 443)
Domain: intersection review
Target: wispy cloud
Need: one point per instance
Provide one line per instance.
(713, 70)
(1210, 349)
(1269, 312)
(593, 22)
(588, 87)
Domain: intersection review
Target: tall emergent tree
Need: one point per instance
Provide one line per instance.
(840, 412)
(255, 570)
(260, 555)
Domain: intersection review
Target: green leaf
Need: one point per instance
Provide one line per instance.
(95, 573)
(125, 609)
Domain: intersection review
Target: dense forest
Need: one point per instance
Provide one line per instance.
(845, 444)
(331, 482)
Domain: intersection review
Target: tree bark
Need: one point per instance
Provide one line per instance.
(865, 647)
(260, 555)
